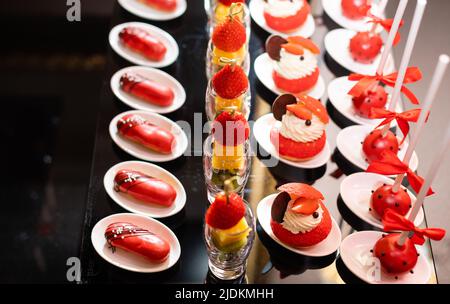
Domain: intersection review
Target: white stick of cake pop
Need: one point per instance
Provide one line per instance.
(418, 14)
(430, 97)
(437, 160)
(393, 32)
(382, 6)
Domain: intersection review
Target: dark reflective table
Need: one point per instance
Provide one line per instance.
(268, 262)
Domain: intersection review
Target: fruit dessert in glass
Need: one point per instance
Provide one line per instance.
(301, 135)
(221, 9)
(229, 233)
(295, 68)
(286, 15)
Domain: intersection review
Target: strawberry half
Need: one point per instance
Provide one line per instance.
(223, 213)
(316, 107)
(230, 128)
(229, 35)
(230, 82)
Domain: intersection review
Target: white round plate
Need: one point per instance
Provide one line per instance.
(356, 255)
(356, 192)
(139, 9)
(257, 13)
(264, 68)
(164, 37)
(334, 10)
(128, 260)
(337, 46)
(142, 152)
(155, 75)
(349, 141)
(261, 131)
(324, 248)
(133, 205)
(338, 95)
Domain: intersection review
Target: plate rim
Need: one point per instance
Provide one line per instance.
(163, 15)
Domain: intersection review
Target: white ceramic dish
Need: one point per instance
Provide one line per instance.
(128, 260)
(356, 192)
(261, 131)
(142, 152)
(144, 11)
(264, 68)
(154, 75)
(133, 205)
(163, 36)
(324, 248)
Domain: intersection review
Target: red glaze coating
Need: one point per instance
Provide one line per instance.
(134, 239)
(296, 86)
(394, 258)
(143, 132)
(355, 9)
(162, 5)
(374, 144)
(290, 23)
(384, 198)
(145, 188)
(364, 103)
(147, 90)
(365, 47)
(142, 42)
(296, 151)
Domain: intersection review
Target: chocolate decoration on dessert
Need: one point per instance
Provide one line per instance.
(279, 105)
(273, 46)
(279, 206)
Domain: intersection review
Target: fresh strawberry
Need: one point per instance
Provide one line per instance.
(230, 128)
(230, 82)
(365, 47)
(226, 211)
(229, 2)
(300, 111)
(230, 35)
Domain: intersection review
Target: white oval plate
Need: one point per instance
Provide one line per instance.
(144, 11)
(356, 192)
(163, 36)
(155, 75)
(334, 10)
(356, 255)
(337, 46)
(338, 95)
(324, 248)
(264, 68)
(261, 131)
(349, 141)
(257, 13)
(128, 260)
(142, 152)
(133, 205)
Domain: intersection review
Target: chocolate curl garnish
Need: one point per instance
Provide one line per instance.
(393, 221)
(390, 164)
(386, 24)
(403, 119)
(364, 82)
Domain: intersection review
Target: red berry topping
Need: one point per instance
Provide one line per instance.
(355, 9)
(384, 198)
(374, 144)
(230, 82)
(376, 98)
(365, 47)
(229, 2)
(225, 213)
(393, 257)
(229, 35)
(230, 128)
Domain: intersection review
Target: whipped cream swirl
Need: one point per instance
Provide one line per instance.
(283, 8)
(292, 66)
(299, 223)
(296, 129)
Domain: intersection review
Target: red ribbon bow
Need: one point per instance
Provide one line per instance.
(402, 119)
(394, 221)
(390, 164)
(413, 74)
(386, 24)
